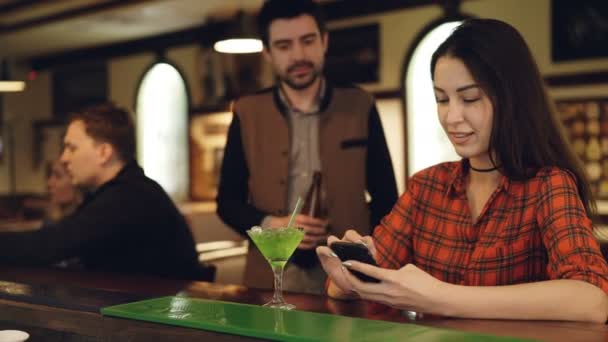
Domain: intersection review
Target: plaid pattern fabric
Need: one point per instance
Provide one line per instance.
(528, 231)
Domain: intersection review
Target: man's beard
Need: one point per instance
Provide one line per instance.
(293, 83)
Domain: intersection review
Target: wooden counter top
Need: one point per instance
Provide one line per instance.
(58, 305)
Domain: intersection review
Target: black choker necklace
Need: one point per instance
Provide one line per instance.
(483, 170)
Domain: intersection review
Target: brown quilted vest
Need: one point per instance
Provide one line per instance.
(265, 137)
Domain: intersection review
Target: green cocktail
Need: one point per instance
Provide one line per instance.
(277, 245)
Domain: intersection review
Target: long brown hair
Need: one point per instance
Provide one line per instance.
(526, 132)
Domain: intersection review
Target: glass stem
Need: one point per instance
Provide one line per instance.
(278, 284)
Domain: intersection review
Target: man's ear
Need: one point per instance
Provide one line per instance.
(325, 38)
(266, 54)
(106, 152)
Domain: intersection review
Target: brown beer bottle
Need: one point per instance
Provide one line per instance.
(307, 258)
(312, 201)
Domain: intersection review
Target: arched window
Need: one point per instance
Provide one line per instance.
(426, 143)
(162, 129)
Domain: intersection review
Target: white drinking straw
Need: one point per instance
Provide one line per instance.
(296, 211)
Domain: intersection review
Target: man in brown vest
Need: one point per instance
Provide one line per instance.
(280, 136)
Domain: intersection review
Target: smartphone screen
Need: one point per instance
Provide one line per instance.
(355, 251)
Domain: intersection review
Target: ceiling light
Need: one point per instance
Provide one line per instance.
(12, 86)
(6, 84)
(238, 45)
(241, 38)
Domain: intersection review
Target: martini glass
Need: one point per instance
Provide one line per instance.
(277, 245)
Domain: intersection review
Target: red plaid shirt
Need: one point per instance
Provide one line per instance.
(528, 231)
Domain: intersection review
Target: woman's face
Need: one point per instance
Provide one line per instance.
(465, 111)
(59, 185)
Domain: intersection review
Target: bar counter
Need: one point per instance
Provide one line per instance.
(59, 305)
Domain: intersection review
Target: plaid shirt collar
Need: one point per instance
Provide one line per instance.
(458, 182)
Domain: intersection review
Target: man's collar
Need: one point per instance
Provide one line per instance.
(323, 98)
(129, 168)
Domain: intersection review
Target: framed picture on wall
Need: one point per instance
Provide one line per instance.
(586, 122)
(223, 77)
(353, 55)
(579, 29)
(208, 133)
(48, 141)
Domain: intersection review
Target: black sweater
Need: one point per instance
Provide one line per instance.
(128, 225)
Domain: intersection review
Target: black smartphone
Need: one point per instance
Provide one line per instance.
(355, 251)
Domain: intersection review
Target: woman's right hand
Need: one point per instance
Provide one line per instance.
(339, 286)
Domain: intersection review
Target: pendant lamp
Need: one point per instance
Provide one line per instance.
(6, 84)
(241, 38)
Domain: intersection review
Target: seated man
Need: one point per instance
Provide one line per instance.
(126, 223)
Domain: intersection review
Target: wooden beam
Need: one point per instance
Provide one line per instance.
(210, 32)
(583, 78)
(65, 15)
(17, 5)
(566, 80)
(387, 94)
(204, 35)
(352, 8)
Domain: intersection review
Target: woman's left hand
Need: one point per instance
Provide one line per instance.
(407, 288)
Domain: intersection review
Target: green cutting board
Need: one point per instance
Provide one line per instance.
(279, 325)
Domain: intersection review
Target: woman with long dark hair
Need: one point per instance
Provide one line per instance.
(506, 231)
